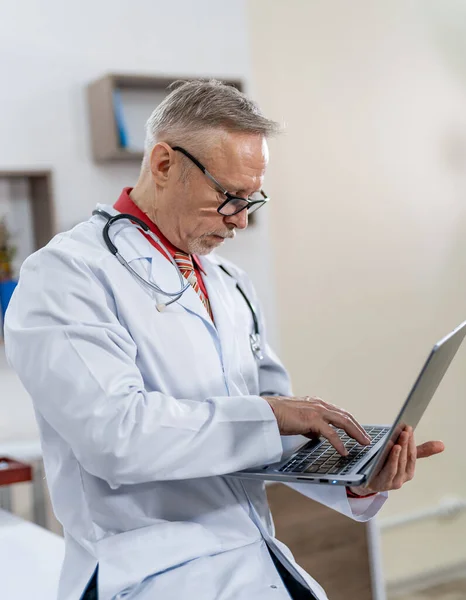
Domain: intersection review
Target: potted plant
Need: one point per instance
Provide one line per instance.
(7, 253)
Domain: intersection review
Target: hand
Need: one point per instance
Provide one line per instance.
(401, 464)
(313, 418)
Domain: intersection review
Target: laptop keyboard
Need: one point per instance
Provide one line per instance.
(325, 460)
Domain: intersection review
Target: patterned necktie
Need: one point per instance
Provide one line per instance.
(185, 264)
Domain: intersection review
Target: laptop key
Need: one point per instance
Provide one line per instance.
(326, 469)
(334, 470)
(312, 469)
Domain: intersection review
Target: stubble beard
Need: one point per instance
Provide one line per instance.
(204, 244)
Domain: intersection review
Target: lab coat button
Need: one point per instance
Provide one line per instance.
(274, 587)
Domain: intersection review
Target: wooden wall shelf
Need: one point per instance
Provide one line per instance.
(41, 202)
(106, 146)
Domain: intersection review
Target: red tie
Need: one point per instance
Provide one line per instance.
(185, 264)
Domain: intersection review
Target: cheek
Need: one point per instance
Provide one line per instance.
(204, 219)
(198, 204)
(198, 212)
(205, 225)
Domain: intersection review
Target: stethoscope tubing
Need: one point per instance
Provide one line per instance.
(173, 296)
(246, 299)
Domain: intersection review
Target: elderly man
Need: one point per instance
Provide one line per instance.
(146, 386)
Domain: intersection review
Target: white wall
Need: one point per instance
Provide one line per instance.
(49, 52)
(368, 223)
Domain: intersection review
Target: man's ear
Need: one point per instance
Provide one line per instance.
(161, 161)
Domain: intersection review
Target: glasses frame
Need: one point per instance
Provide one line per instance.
(229, 196)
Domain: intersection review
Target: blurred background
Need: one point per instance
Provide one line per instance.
(359, 259)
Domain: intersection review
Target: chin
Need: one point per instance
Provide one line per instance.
(204, 247)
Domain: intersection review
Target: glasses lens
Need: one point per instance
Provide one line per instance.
(233, 206)
(255, 207)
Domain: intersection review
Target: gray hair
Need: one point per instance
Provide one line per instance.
(194, 110)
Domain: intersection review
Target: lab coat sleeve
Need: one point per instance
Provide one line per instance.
(77, 362)
(275, 381)
(335, 497)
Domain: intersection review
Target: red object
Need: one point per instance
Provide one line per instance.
(351, 494)
(124, 204)
(13, 471)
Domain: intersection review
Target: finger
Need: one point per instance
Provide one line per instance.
(338, 416)
(387, 474)
(400, 476)
(429, 449)
(340, 420)
(412, 456)
(333, 437)
(349, 417)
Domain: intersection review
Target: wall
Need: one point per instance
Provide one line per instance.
(368, 224)
(49, 52)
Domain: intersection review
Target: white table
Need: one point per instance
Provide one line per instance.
(30, 559)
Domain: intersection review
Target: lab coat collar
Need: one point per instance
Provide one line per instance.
(131, 244)
(134, 244)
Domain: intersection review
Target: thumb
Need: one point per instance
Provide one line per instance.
(429, 449)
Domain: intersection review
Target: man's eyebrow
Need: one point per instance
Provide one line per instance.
(243, 192)
(234, 190)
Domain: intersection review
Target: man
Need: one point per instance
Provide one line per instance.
(145, 404)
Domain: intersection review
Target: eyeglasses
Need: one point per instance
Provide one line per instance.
(233, 204)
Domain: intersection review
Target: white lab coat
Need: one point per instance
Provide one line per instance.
(142, 413)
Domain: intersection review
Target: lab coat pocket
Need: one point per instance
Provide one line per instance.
(189, 581)
(131, 557)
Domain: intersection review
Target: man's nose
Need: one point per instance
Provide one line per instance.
(240, 220)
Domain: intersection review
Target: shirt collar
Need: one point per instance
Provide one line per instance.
(125, 204)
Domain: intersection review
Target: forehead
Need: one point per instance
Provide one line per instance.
(241, 158)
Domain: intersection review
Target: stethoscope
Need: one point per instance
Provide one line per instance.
(254, 337)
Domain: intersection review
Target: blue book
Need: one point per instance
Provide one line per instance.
(6, 291)
(120, 119)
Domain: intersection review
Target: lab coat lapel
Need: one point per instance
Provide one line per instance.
(220, 289)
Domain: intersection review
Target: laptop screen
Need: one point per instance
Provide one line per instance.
(421, 394)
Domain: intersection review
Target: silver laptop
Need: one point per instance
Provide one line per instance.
(317, 461)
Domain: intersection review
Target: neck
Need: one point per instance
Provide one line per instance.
(143, 196)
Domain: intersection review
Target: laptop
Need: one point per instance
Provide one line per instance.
(317, 461)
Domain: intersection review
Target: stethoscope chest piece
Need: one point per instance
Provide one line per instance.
(255, 341)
